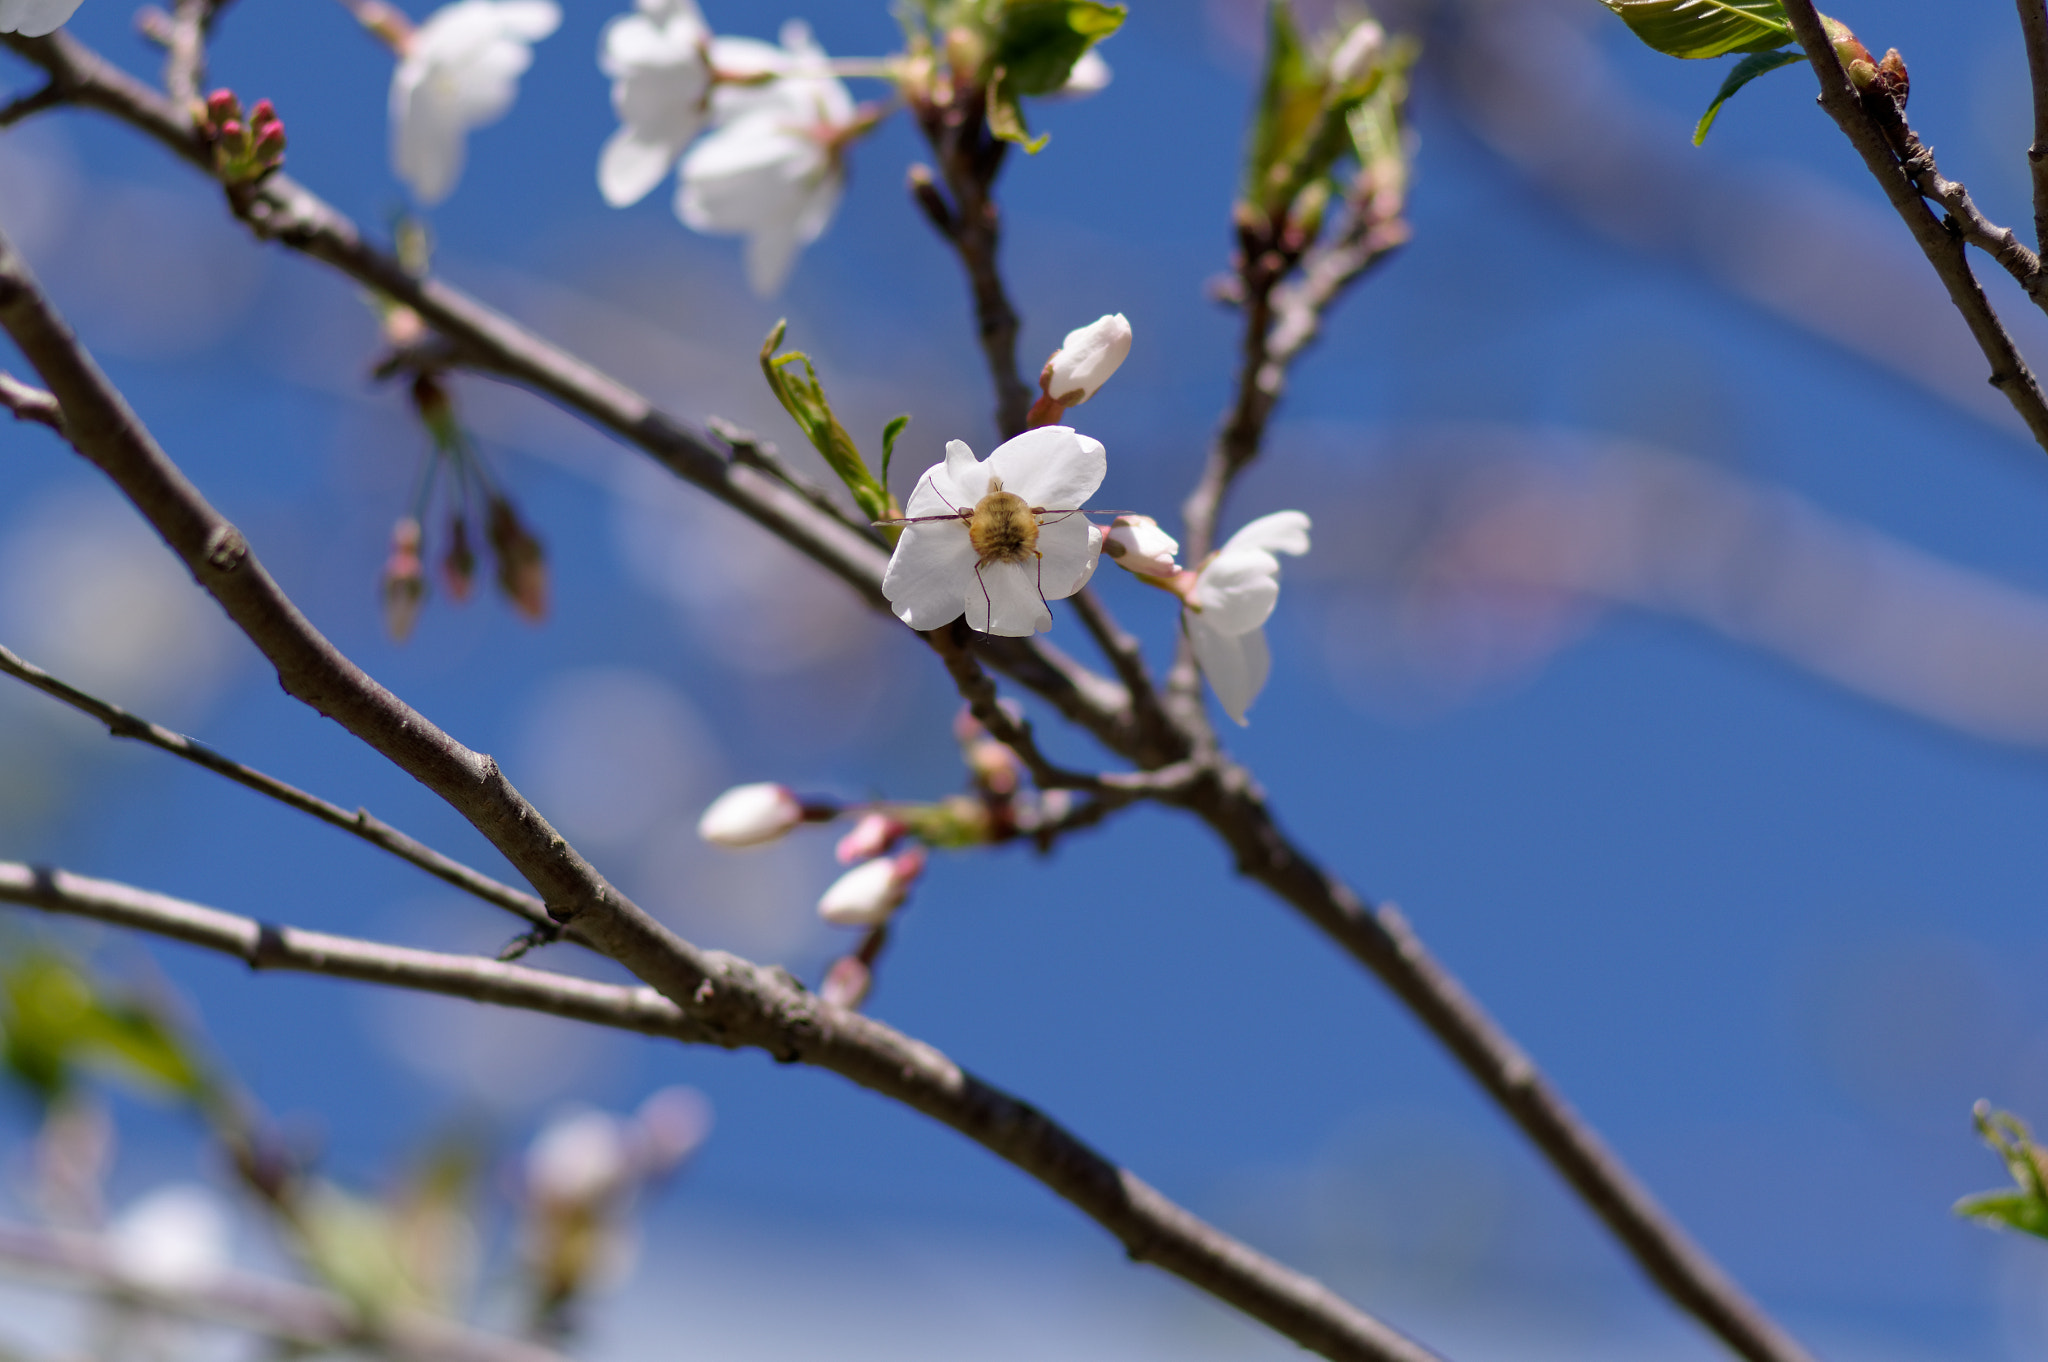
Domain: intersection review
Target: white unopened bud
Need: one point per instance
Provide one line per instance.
(1353, 59)
(867, 895)
(578, 1158)
(1090, 75)
(748, 815)
(1137, 544)
(1085, 360)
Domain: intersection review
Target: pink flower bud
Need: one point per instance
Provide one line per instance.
(404, 585)
(867, 895)
(1085, 360)
(847, 983)
(221, 106)
(1137, 544)
(875, 834)
(750, 815)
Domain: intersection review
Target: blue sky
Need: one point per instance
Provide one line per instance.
(1771, 927)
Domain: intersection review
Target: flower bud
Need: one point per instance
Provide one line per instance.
(404, 584)
(867, 895)
(1090, 75)
(1085, 360)
(994, 766)
(222, 108)
(1137, 544)
(750, 815)
(458, 565)
(522, 563)
(1354, 57)
(577, 1159)
(874, 834)
(847, 983)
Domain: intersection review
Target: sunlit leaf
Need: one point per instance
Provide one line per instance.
(1290, 98)
(2021, 1211)
(1705, 28)
(1746, 70)
(803, 397)
(1037, 42)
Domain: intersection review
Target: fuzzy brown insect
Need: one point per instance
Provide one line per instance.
(1003, 527)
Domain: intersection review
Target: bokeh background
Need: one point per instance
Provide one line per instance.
(1674, 650)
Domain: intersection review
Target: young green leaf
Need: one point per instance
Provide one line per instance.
(1037, 42)
(889, 434)
(1006, 117)
(803, 397)
(1290, 97)
(1746, 70)
(2020, 1211)
(1705, 28)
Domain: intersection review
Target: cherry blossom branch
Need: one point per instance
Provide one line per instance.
(287, 1313)
(1151, 1227)
(730, 1001)
(122, 724)
(1945, 249)
(48, 97)
(969, 158)
(739, 998)
(278, 208)
(1156, 741)
(184, 33)
(30, 404)
(2034, 27)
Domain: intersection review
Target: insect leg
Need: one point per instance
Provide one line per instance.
(988, 607)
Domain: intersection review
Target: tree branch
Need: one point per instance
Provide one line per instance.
(30, 404)
(298, 1317)
(280, 209)
(1151, 1227)
(970, 158)
(1944, 249)
(2034, 25)
(121, 724)
(14, 110)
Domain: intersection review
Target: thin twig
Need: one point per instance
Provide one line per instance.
(2034, 25)
(970, 157)
(812, 1031)
(191, 25)
(286, 1313)
(12, 112)
(1158, 741)
(122, 724)
(1945, 250)
(30, 404)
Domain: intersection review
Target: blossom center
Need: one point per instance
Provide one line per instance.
(1003, 528)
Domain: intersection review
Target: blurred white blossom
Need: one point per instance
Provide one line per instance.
(1001, 562)
(772, 172)
(579, 1157)
(459, 70)
(1085, 360)
(1090, 75)
(1230, 602)
(750, 815)
(1137, 544)
(34, 18)
(869, 894)
(173, 1239)
(659, 62)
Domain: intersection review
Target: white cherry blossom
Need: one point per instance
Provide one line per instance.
(659, 62)
(173, 1239)
(1002, 560)
(34, 18)
(749, 815)
(772, 172)
(1230, 602)
(459, 70)
(869, 894)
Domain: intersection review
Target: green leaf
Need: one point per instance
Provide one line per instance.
(1746, 70)
(1705, 28)
(57, 1021)
(1290, 97)
(2020, 1211)
(889, 434)
(1006, 117)
(803, 397)
(1037, 42)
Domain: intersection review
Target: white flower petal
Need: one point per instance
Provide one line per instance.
(969, 478)
(925, 575)
(427, 148)
(1280, 532)
(1238, 591)
(173, 1239)
(1051, 467)
(771, 252)
(1086, 359)
(1004, 599)
(1071, 547)
(460, 72)
(34, 18)
(1236, 664)
(938, 492)
(630, 166)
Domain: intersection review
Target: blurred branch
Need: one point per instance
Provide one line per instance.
(24, 106)
(278, 208)
(2034, 25)
(1945, 249)
(121, 724)
(970, 157)
(184, 33)
(30, 404)
(288, 1314)
(803, 1028)
(1156, 741)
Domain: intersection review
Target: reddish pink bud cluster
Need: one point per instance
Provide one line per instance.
(245, 149)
